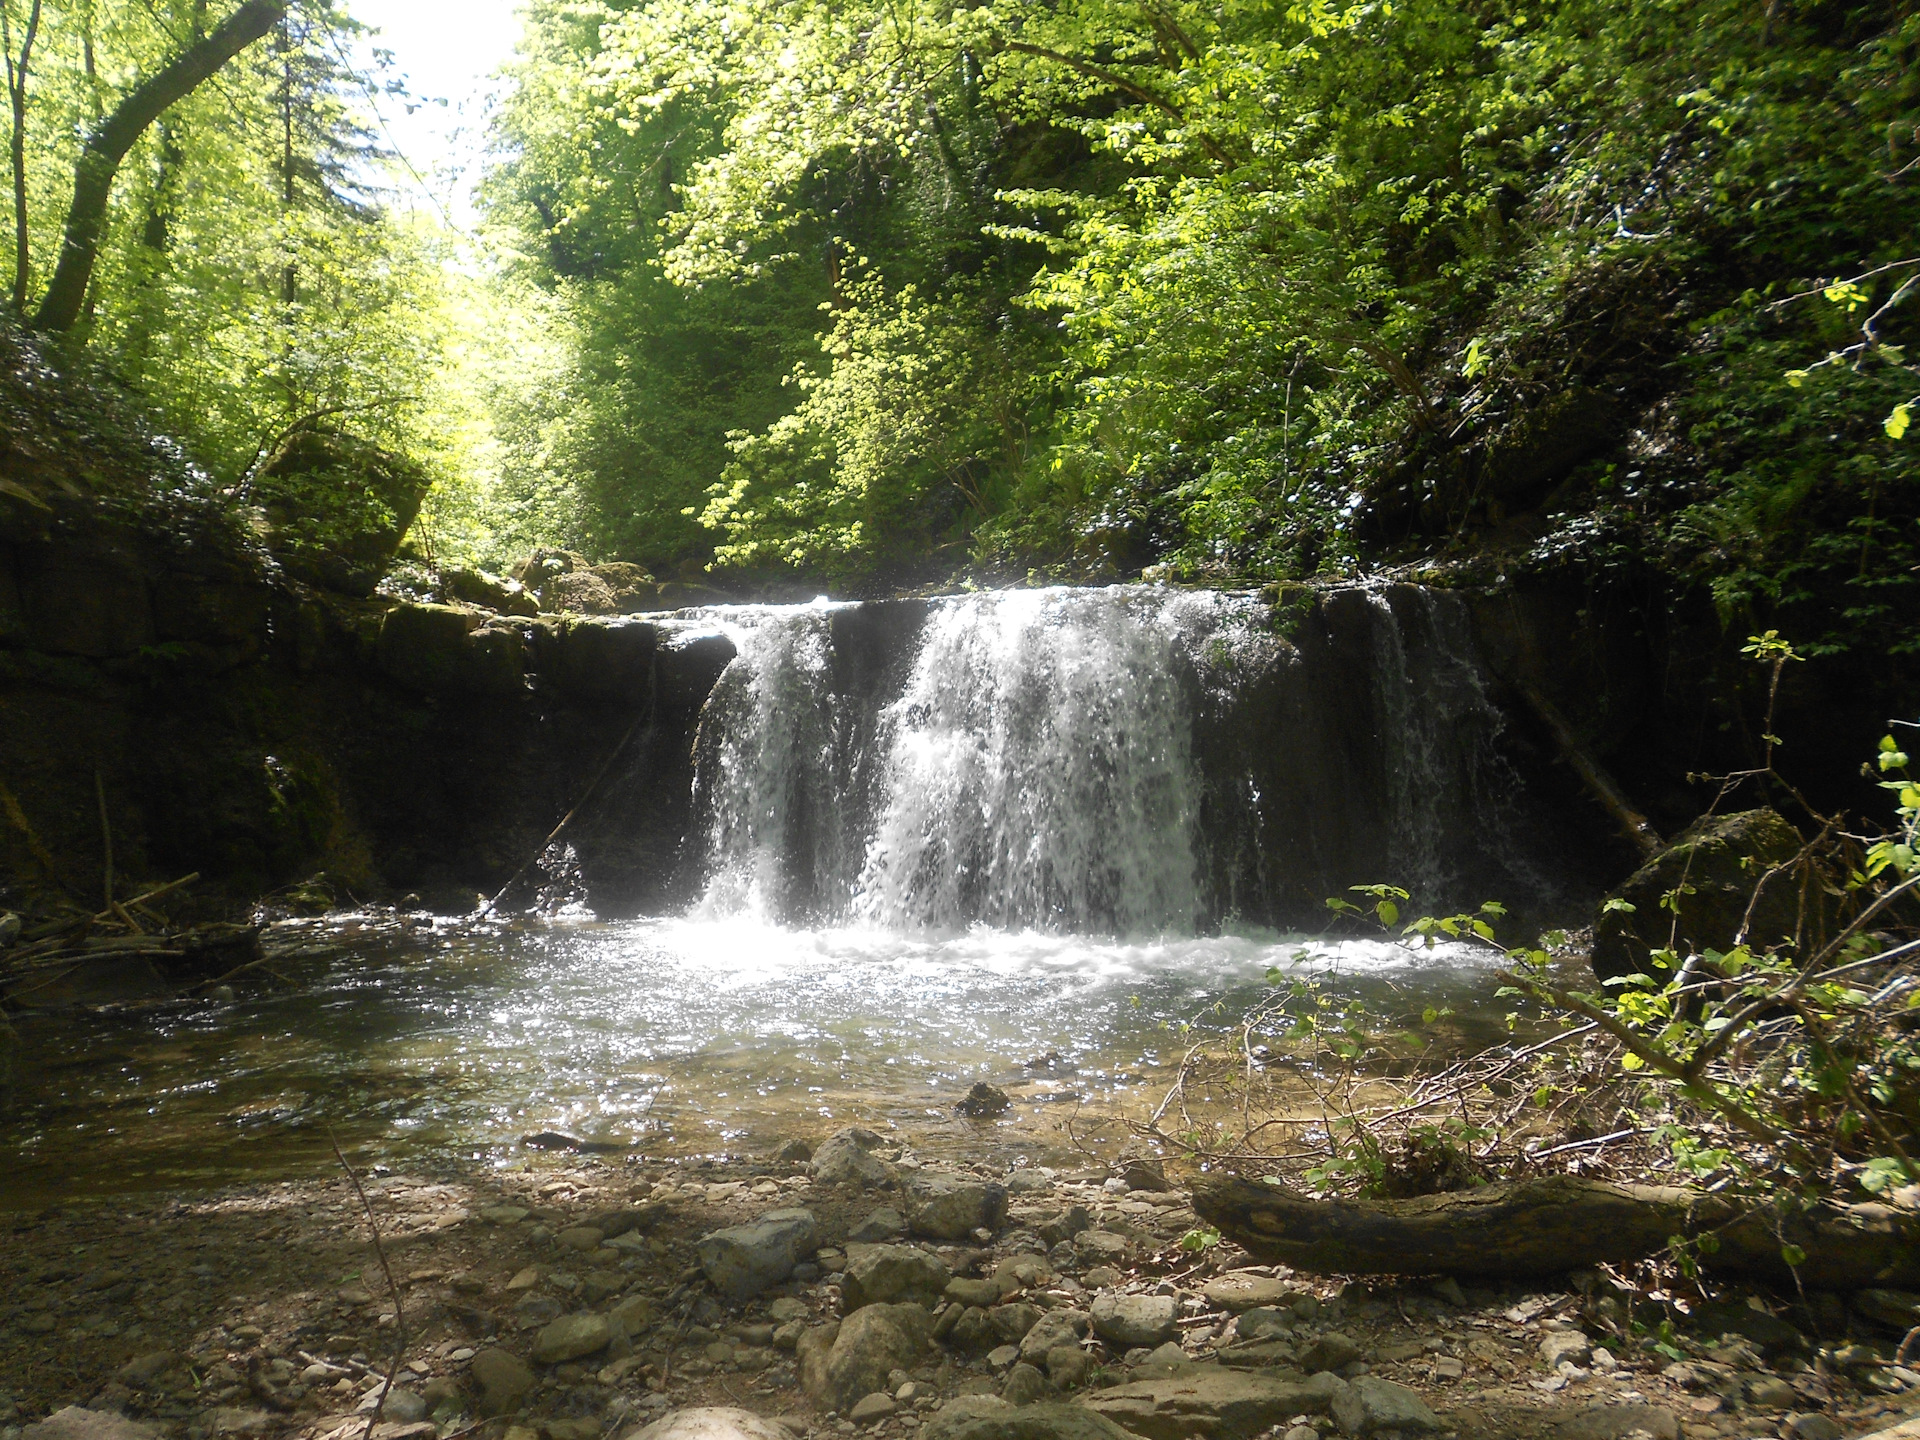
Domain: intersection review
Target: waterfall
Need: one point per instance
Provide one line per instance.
(1040, 771)
(1127, 761)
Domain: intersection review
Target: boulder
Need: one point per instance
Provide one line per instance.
(1128, 1322)
(1370, 1404)
(489, 592)
(503, 1381)
(1141, 1173)
(600, 659)
(1025, 1385)
(1264, 1323)
(867, 1346)
(1011, 1323)
(882, 1225)
(870, 1409)
(983, 1102)
(984, 1293)
(948, 1207)
(889, 1274)
(424, 647)
(571, 1337)
(1053, 1329)
(1238, 1291)
(1331, 1351)
(337, 507)
(846, 1159)
(743, 1260)
(1720, 860)
(988, 1417)
(713, 1422)
(1198, 1400)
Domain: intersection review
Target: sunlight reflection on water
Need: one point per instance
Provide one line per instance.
(675, 1036)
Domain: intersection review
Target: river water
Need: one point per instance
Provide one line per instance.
(1025, 840)
(431, 1039)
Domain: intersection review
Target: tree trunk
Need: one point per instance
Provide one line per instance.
(114, 136)
(1547, 1226)
(17, 101)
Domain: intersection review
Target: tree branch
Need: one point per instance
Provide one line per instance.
(113, 137)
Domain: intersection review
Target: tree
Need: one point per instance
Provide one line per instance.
(17, 70)
(109, 141)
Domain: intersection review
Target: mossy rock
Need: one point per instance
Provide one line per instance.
(1716, 865)
(337, 507)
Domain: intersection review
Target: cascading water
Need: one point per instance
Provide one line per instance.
(1123, 761)
(1040, 771)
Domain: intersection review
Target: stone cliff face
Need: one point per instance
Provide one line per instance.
(256, 730)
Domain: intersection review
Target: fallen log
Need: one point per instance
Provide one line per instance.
(1515, 1229)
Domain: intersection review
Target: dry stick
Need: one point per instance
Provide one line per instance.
(567, 820)
(393, 1287)
(106, 837)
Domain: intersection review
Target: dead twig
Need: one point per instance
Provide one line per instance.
(393, 1288)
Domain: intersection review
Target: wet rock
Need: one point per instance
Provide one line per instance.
(949, 1208)
(75, 1423)
(983, 1102)
(1127, 1321)
(571, 1337)
(1025, 1385)
(580, 1237)
(504, 1214)
(846, 1159)
(1238, 1291)
(1052, 1330)
(1713, 867)
(1617, 1422)
(1370, 1404)
(743, 1260)
(713, 1422)
(867, 1346)
(794, 1152)
(890, 1274)
(1204, 1400)
(882, 1225)
(9, 928)
(1808, 1427)
(988, 1417)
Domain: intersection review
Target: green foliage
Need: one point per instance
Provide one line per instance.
(1236, 291)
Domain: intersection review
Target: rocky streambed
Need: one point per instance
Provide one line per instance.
(852, 1290)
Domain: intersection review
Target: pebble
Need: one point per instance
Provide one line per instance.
(870, 1408)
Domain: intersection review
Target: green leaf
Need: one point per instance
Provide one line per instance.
(1896, 423)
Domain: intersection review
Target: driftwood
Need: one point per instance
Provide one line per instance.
(1522, 1228)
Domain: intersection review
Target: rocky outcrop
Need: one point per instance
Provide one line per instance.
(1703, 892)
